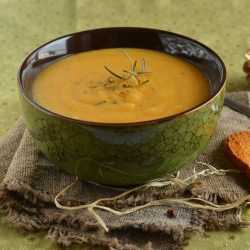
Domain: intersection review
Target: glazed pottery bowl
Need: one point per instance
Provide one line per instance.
(123, 153)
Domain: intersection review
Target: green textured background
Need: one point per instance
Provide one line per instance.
(223, 25)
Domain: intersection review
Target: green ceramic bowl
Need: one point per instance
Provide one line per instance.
(123, 154)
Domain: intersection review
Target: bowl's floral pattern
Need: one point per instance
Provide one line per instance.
(123, 155)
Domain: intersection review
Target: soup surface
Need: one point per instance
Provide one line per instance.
(135, 85)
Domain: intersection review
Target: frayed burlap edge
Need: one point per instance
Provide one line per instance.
(25, 210)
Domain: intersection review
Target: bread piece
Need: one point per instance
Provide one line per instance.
(237, 149)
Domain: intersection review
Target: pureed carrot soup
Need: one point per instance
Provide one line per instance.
(120, 85)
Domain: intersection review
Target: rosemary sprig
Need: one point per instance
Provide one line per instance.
(129, 81)
(132, 71)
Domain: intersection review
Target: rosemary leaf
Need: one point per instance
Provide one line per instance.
(143, 82)
(134, 66)
(114, 74)
(99, 103)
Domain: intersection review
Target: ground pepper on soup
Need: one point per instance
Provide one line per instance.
(120, 85)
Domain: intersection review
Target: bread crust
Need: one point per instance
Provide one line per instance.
(237, 149)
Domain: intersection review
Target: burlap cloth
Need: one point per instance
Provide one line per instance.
(29, 184)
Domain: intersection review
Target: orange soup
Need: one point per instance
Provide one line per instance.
(120, 85)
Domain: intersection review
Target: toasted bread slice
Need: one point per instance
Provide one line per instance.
(237, 148)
